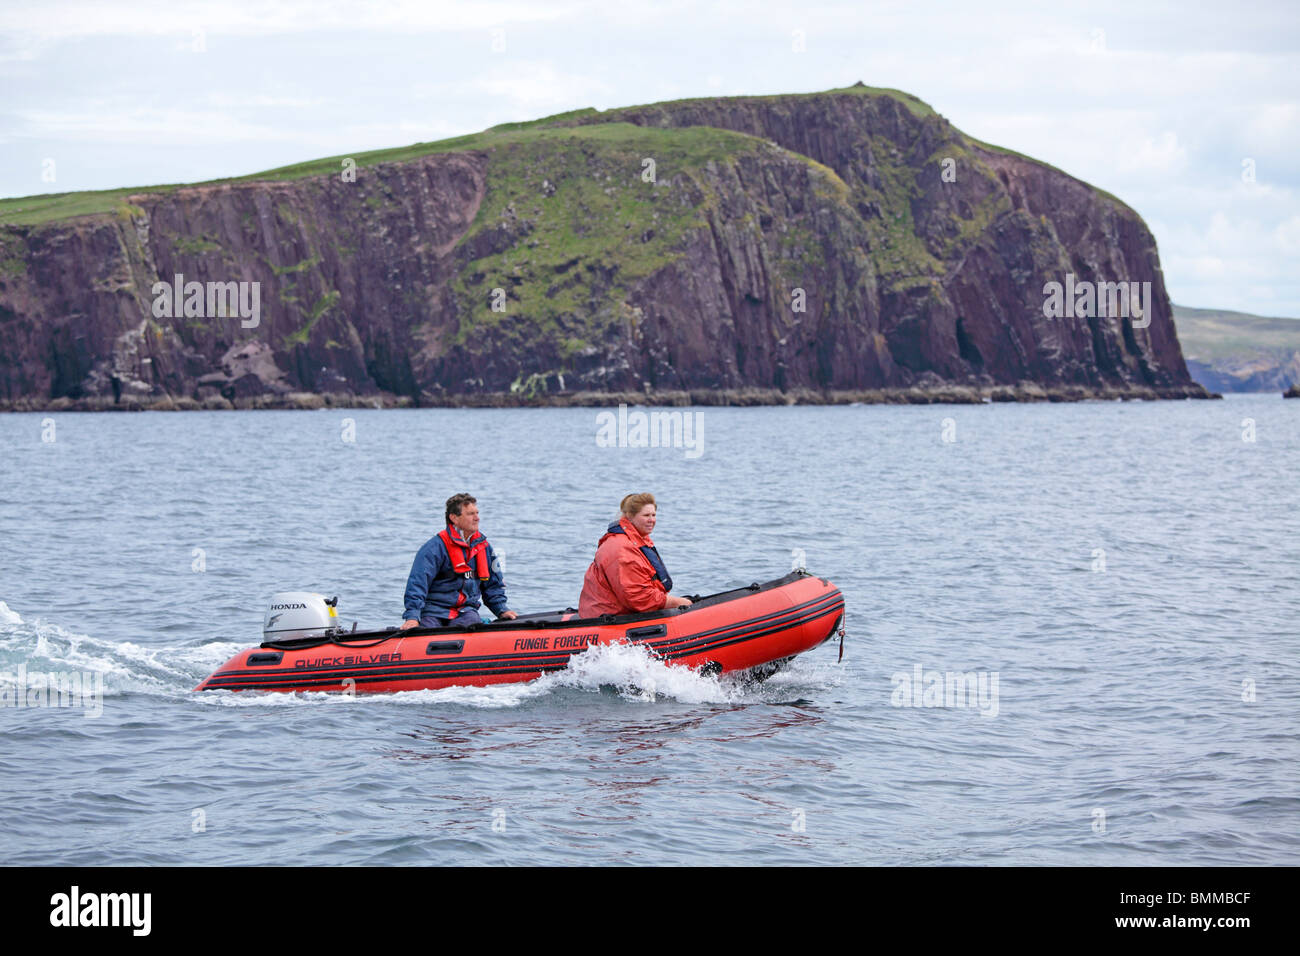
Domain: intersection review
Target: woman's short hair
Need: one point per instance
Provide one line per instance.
(632, 504)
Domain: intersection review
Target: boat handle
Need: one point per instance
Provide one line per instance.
(652, 630)
(445, 647)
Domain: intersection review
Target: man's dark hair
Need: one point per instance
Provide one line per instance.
(456, 502)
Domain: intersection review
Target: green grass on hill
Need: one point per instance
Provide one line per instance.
(46, 207)
(32, 210)
(918, 107)
(701, 142)
(582, 226)
(1210, 334)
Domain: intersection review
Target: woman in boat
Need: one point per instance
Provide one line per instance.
(627, 574)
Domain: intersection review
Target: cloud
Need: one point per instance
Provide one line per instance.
(147, 126)
(68, 19)
(539, 84)
(1287, 236)
(1159, 155)
(1158, 106)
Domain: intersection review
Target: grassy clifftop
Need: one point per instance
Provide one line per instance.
(48, 207)
(1211, 334)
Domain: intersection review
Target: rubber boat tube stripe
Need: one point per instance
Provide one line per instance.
(798, 615)
(714, 645)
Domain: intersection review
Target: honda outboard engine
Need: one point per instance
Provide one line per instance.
(296, 614)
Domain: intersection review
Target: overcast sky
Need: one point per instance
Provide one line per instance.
(1169, 106)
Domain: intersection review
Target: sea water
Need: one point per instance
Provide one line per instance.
(1072, 637)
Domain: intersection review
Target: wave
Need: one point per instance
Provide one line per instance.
(126, 667)
(7, 616)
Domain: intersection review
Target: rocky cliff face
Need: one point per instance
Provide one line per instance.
(838, 241)
(962, 260)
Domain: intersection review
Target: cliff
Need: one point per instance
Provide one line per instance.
(846, 243)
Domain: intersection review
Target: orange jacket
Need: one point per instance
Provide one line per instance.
(621, 579)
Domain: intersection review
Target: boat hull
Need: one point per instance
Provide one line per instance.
(736, 631)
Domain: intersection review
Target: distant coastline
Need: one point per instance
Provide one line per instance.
(748, 397)
(1239, 352)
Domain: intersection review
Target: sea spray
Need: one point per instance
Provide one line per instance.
(639, 675)
(7, 616)
(630, 669)
(116, 668)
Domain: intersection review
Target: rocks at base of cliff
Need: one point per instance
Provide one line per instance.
(1292, 392)
(288, 400)
(741, 397)
(943, 393)
(247, 370)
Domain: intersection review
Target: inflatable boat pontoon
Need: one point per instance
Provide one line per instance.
(752, 631)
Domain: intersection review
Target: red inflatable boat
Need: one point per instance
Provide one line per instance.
(752, 631)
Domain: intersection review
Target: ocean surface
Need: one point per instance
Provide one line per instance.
(1122, 580)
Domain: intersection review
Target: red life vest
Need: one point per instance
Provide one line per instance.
(651, 554)
(462, 553)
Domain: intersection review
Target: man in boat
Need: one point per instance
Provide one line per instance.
(627, 574)
(452, 571)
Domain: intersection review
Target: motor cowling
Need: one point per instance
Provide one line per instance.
(294, 614)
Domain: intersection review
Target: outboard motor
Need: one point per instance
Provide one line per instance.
(297, 614)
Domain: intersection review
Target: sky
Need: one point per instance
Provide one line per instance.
(1189, 112)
